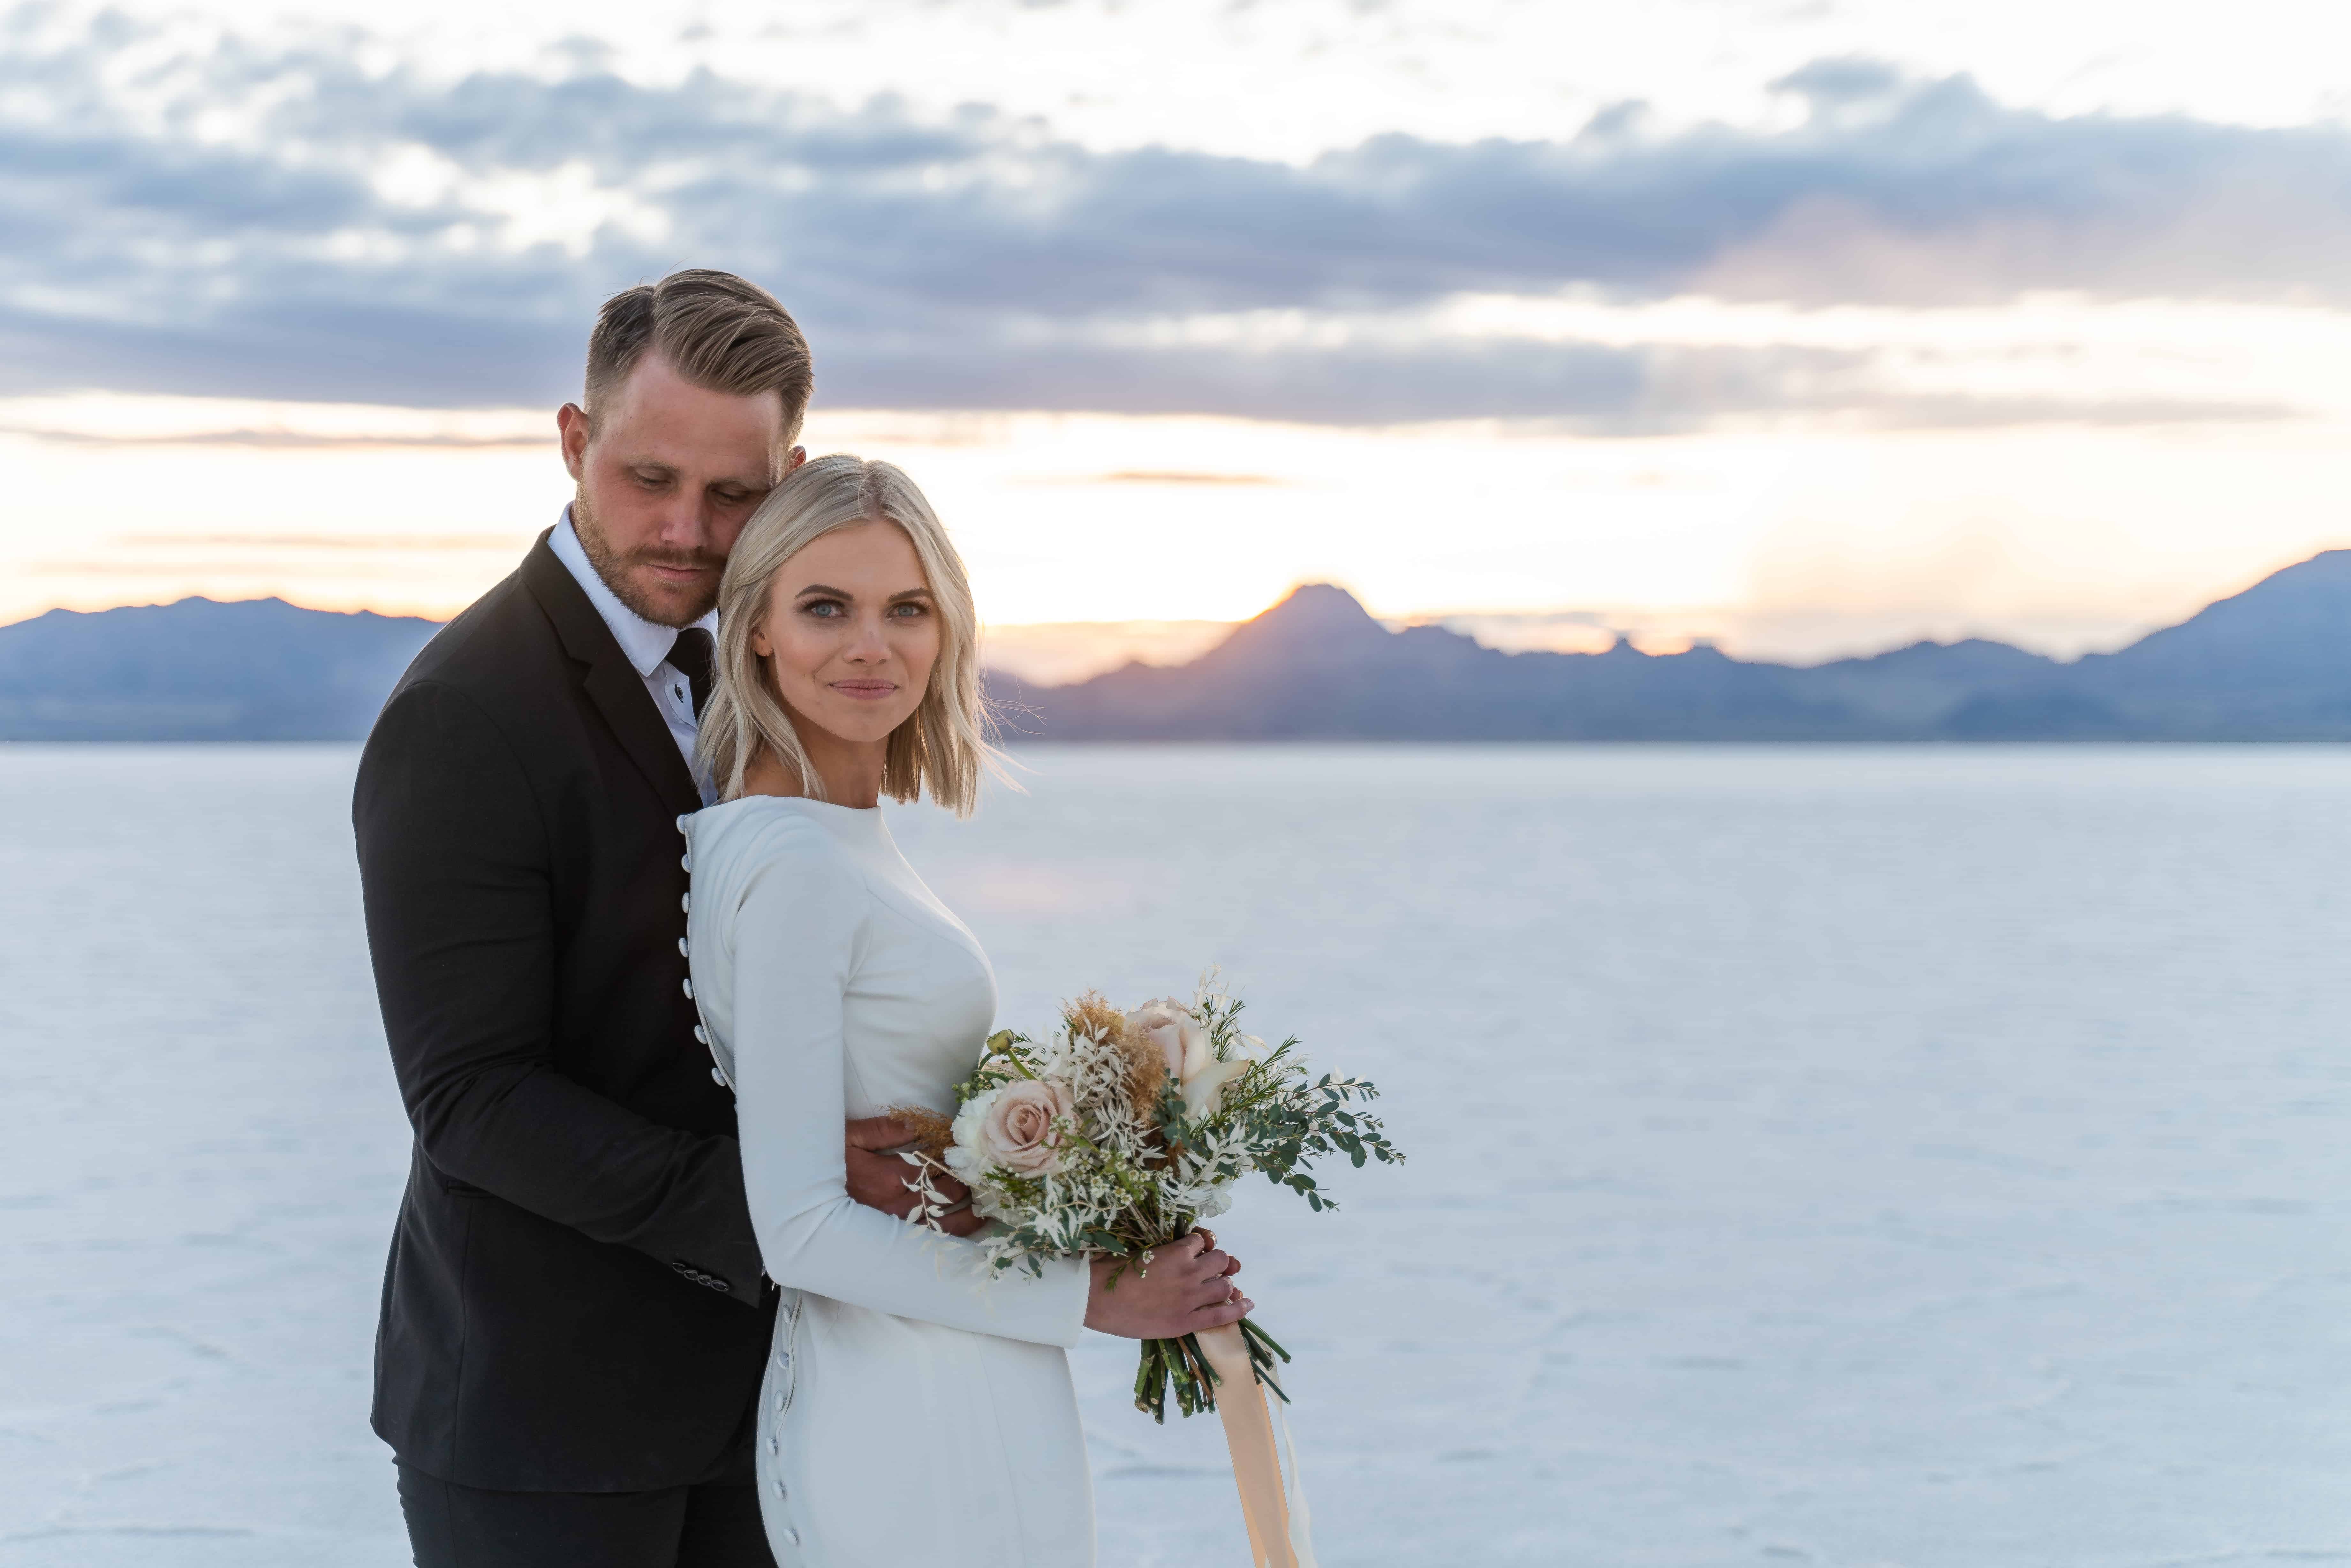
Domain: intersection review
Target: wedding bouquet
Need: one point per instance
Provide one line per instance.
(1122, 1130)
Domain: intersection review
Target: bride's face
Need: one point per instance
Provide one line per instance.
(849, 633)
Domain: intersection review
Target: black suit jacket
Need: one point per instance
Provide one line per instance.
(574, 1300)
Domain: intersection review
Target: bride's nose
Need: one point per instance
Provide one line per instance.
(867, 646)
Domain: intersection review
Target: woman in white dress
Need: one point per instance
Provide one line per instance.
(915, 1410)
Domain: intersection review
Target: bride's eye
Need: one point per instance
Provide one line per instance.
(910, 611)
(825, 609)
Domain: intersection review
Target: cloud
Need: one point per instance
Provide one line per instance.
(1165, 476)
(282, 221)
(286, 440)
(430, 544)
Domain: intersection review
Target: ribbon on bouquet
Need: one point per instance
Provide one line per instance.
(1274, 1510)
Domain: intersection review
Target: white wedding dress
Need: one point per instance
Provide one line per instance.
(915, 1410)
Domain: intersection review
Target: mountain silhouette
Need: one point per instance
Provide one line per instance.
(1317, 666)
(2272, 662)
(257, 669)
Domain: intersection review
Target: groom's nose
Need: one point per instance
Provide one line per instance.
(684, 520)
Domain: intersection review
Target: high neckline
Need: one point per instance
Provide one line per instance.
(820, 805)
(825, 808)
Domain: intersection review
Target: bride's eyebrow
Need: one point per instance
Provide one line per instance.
(818, 587)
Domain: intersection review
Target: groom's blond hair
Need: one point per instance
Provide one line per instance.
(942, 746)
(719, 332)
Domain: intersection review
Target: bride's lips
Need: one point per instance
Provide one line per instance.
(865, 691)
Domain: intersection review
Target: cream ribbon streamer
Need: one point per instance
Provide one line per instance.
(1275, 1512)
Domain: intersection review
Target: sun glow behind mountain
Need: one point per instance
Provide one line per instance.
(1096, 538)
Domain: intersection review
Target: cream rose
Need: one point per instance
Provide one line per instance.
(1169, 1025)
(1191, 1060)
(1019, 1128)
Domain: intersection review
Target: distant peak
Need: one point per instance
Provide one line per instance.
(1321, 610)
(1315, 622)
(1320, 601)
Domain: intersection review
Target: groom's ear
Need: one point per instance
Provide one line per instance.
(799, 457)
(571, 428)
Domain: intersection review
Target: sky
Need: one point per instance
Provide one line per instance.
(1811, 326)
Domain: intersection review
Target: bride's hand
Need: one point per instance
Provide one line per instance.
(1189, 1288)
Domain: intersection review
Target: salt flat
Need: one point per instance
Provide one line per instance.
(1841, 1157)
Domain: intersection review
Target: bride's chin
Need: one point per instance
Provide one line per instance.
(860, 728)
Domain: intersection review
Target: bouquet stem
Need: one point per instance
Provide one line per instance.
(1180, 1361)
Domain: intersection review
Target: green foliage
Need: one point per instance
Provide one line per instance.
(1129, 1178)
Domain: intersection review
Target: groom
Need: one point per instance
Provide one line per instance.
(574, 1322)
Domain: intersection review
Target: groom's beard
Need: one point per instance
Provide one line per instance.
(667, 604)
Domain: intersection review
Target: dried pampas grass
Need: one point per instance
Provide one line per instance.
(933, 1133)
(1146, 1069)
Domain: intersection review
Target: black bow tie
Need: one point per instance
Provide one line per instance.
(693, 655)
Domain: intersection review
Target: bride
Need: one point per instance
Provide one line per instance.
(914, 1409)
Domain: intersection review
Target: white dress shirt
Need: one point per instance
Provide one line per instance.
(646, 646)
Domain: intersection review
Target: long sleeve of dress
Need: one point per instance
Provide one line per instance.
(797, 934)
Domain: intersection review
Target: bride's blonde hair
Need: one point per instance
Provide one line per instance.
(942, 746)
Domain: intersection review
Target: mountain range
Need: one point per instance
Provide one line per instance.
(2272, 662)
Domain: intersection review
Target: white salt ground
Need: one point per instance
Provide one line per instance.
(1915, 1157)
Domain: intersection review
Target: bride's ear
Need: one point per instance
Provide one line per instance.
(760, 644)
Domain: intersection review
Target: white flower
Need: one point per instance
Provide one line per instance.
(1169, 1025)
(967, 1156)
(1190, 1055)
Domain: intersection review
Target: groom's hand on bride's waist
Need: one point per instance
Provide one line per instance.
(878, 1174)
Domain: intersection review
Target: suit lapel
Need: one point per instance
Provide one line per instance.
(610, 682)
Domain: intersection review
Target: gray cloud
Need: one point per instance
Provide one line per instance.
(286, 440)
(432, 544)
(975, 260)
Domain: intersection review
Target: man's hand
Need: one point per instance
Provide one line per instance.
(878, 1176)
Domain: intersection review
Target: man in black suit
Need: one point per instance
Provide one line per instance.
(574, 1321)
